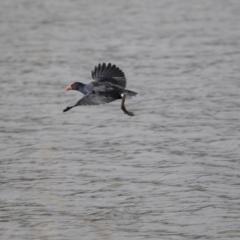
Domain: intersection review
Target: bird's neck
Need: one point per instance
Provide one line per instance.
(81, 87)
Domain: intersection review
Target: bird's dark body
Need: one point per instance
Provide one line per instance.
(109, 85)
(101, 88)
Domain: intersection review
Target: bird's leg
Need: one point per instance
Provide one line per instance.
(123, 106)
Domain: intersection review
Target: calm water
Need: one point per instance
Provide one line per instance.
(170, 172)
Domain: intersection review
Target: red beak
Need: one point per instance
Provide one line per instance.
(69, 87)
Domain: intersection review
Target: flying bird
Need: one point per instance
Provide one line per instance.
(109, 85)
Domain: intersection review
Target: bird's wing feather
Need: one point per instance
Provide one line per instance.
(109, 73)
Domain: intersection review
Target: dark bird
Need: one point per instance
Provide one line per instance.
(109, 85)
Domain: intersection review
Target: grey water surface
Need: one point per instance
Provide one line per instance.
(170, 172)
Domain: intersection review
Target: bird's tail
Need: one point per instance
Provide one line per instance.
(129, 93)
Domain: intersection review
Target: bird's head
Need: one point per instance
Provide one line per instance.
(74, 86)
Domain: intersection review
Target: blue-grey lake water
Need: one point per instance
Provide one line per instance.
(172, 172)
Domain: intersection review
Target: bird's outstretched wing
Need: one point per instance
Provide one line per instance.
(109, 73)
(100, 95)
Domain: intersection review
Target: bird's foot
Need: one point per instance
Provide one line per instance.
(131, 114)
(67, 109)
